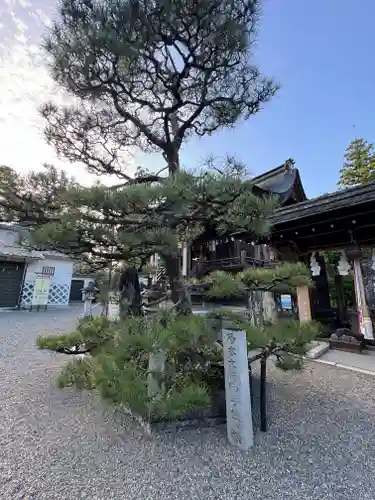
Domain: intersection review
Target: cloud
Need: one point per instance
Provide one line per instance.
(24, 4)
(25, 84)
(19, 24)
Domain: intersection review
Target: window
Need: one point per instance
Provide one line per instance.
(49, 270)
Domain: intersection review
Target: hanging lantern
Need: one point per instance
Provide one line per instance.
(353, 252)
(343, 267)
(314, 265)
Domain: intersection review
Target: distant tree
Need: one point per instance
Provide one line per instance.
(359, 166)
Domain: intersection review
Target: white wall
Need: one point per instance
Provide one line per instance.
(60, 281)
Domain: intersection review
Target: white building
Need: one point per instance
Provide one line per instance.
(19, 268)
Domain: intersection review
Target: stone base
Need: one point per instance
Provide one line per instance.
(344, 345)
(317, 349)
(213, 416)
(175, 425)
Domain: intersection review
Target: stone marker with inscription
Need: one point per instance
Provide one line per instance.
(237, 389)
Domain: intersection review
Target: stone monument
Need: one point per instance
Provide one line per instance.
(237, 389)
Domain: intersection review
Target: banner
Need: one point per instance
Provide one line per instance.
(41, 291)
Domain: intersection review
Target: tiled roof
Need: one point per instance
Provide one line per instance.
(24, 253)
(18, 251)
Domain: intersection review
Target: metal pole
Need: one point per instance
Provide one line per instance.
(251, 393)
(263, 403)
(106, 307)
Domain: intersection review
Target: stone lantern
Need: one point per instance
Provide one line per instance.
(88, 293)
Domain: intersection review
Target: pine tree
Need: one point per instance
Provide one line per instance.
(146, 76)
(359, 166)
(149, 75)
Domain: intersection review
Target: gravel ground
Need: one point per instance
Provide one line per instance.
(65, 445)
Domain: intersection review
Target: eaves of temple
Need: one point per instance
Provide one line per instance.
(331, 221)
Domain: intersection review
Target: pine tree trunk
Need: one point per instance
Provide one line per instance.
(255, 306)
(130, 293)
(262, 307)
(179, 292)
(269, 308)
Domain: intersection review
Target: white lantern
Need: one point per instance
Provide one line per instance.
(343, 267)
(314, 265)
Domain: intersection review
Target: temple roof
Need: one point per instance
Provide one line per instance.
(329, 221)
(343, 198)
(284, 182)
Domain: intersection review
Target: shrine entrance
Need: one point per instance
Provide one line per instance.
(335, 231)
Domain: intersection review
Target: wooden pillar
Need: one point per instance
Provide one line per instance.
(303, 302)
(243, 258)
(185, 260)
(257, 254)
(341, 302)
(364, 319)
(236, 245)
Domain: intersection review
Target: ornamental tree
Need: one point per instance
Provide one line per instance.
(265, 331)
(117, 357)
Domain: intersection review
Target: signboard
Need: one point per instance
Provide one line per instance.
(41, 291)
(286, 302)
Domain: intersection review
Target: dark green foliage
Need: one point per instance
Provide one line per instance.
(285, 277)
(124, 385)
(120, 370)
(193, 366)
(287, 339)
(77, 373)
(181, 400)
(91, 333)
(222, 284)
(286, 334)
(135, 221)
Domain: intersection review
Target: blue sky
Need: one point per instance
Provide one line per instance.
(321, 52)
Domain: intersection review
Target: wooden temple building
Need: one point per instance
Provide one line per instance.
(343, 221)
(301, 228)
(235, 253)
